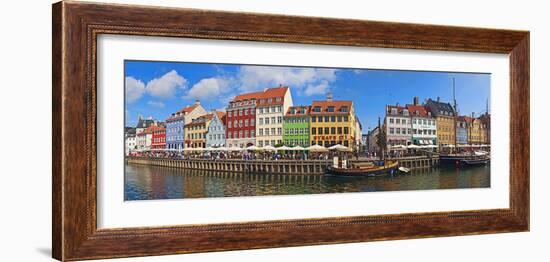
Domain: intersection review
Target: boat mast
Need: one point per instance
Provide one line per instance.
(454, 113)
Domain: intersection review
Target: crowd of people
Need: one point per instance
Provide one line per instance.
(243, 155)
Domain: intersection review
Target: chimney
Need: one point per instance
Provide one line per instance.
(197, 102)
(415, 101)
(438, 99)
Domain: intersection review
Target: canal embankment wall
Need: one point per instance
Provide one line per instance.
(293, 167)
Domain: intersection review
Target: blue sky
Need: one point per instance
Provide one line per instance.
(158, 89)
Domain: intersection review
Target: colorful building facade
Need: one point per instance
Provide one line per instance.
(372, 141)
(175, 125)
(270, 110)
(424, 128)
(144, 138)
(158, 137)
(195, 132)
(296, 126)
(215, 136)
(476, 131)
(240, 123)
(398, 126)
(486, 122)
(332, 122)
(462, 130)
(444, 114)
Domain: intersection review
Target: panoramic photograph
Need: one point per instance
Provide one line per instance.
(202, 130)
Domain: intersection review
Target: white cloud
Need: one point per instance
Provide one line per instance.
(134, 89)
(209, 89)
(166, 85)
(319, 89)
(156, 104)
(259, 77)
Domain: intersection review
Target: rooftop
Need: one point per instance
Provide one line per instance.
(298, 111)
(416, 110)
(331, 107)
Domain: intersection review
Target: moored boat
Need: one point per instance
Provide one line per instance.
(464, 160)
(373, 168)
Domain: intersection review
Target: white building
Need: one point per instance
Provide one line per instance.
(131, 143)
(398, 126)
(270, 109)
(424, 128)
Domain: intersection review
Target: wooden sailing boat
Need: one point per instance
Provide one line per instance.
(462, 159)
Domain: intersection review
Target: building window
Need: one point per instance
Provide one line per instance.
(317, 109)
(314, 131)
(313, 119)
(398, 121)
(272, 131)
(261, 131)
(327, 119)
(333, 130)
(330, 109)
(320, 130)
(266, 121)
(320, 119)
(327, 131)
(279, 131)
(345, 118)
(333, 119)
(280, 119)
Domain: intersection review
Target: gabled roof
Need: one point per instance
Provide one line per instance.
(247, 96)
(413, 109)
(399, 109)
(188, 109)
(435, 107)
(466, 119)
(324, 106)
(298, 111)
(264, 95)
(153, 129)
(145, 123)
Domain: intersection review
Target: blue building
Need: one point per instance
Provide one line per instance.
(462, 130)
(175, 125)
(215, 137)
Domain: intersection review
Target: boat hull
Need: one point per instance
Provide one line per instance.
(463, 161)
(350, 172)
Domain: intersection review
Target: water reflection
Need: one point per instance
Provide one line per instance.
(151, 182)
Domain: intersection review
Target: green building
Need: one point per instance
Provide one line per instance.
(296, 126)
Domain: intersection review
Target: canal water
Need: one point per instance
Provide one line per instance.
(151, 182)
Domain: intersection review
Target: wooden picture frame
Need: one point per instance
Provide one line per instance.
(76, 26)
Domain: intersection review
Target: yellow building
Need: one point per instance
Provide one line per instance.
(332, 122)
(476, 131)
(195, 132)
(445, 120)
(486, 125)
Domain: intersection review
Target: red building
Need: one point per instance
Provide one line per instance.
(158, 140)
(240, 125)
